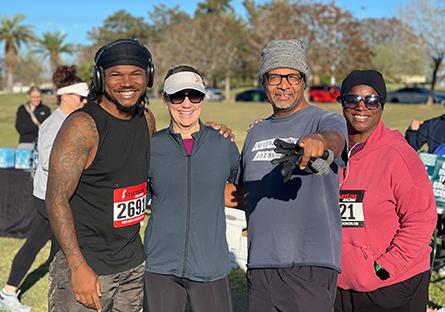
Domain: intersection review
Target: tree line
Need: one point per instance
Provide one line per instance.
(227, 46)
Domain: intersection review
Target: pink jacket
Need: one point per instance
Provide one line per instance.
(399, 213)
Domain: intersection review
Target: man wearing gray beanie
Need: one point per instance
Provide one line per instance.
(294, 224)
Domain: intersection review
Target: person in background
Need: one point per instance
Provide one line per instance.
(29, 117)
(387, 208)
(294, 230)
(430, 132)
(71, 95)
(186, 251)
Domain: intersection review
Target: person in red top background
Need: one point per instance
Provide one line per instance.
(387, 208)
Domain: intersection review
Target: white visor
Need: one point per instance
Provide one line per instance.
(182, 81)
(80, 88)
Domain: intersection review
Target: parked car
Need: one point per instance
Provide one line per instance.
(415, 95)
(48, 90)
(251, 95)
(439, 97)
(215, 94)
(323, 93)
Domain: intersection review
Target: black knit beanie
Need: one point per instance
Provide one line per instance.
(369, 77)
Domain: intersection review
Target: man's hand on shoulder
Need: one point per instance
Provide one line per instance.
(254, 123)
(223, 129)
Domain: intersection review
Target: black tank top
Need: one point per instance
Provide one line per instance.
(110, 200)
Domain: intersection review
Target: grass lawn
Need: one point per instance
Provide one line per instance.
(237, 116)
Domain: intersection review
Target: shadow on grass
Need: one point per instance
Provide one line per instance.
(33, 277)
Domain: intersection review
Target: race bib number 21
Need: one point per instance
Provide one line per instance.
(129, 205)
(351, 208)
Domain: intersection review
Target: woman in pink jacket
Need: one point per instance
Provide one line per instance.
(387, 208)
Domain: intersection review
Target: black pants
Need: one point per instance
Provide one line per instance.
(38, 236)
(167, 293)
(410, 295)
(294, 289)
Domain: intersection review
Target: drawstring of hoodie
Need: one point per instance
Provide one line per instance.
(346, 174)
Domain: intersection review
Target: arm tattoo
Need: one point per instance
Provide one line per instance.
(69, 156)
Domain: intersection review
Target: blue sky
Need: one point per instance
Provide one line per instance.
(76, 17)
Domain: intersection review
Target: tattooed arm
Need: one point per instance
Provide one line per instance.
(73, 150)
(151, 122)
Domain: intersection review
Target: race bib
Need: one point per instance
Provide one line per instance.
(129, 205)
(351, 208)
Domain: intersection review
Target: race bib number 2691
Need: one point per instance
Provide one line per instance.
(129, 205)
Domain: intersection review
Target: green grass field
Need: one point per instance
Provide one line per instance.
(237, 116)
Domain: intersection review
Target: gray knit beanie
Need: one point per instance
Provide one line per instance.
(283, 54)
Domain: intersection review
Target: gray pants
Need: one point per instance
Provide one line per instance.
(123, 291)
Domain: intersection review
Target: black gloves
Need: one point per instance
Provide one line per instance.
(292, 154)
(291, 157)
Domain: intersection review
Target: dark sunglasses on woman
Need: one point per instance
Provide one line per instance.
(353, 100)
(194, 96)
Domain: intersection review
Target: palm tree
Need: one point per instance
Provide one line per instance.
(14, 34)
(51, 45)
(216, 7)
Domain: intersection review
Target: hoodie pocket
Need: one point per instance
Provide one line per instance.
(358, 268)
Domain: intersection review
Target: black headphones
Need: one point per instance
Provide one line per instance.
(98, 71)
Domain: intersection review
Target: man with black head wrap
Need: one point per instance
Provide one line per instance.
(121, 52)
(97, 185)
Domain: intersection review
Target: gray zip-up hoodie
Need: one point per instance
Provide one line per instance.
(186, 232)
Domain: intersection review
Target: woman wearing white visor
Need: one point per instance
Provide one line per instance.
(185, 240)
(71, 95)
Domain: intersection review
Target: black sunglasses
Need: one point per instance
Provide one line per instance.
(353, 100)
(193, 95)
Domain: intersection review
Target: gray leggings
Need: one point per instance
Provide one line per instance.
(167, 293)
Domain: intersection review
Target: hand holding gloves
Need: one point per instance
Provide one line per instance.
(292, 154)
